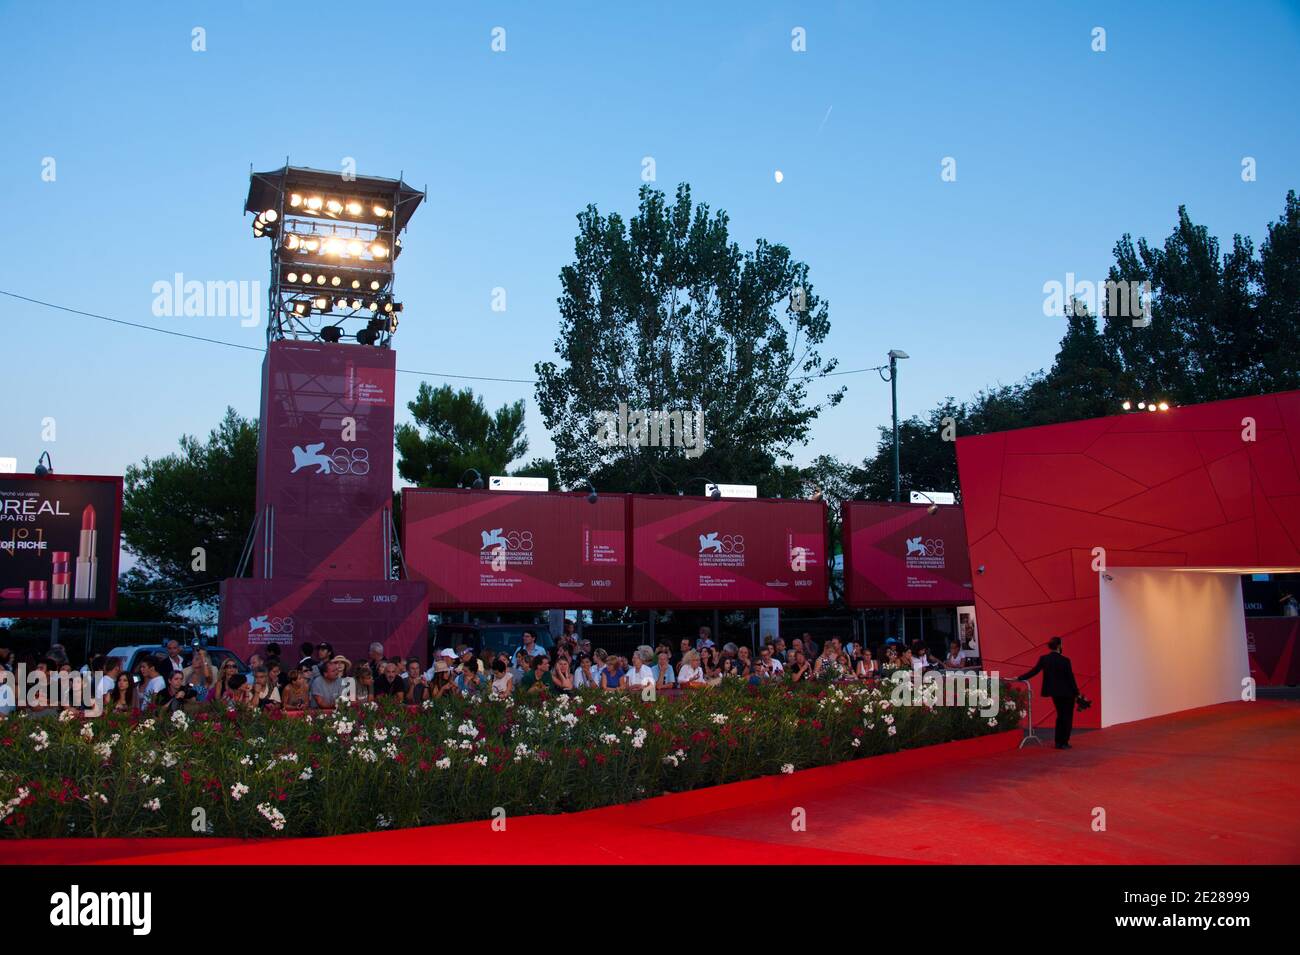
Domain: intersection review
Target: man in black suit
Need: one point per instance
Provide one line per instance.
(1058, 683)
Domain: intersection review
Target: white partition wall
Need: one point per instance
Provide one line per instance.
(1170, 640)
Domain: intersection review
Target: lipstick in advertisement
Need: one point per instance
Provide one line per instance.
(87, 562)
(59, 589)
(12, 593)
(38, 591)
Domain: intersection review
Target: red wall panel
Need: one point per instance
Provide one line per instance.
(1177, 488)
(899, 555)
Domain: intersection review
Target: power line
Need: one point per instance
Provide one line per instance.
(234, 344)
(404, 371)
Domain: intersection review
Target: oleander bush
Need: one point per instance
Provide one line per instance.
(382, 764)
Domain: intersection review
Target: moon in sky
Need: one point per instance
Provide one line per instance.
(778, 175)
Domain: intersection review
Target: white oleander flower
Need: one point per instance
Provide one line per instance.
(443, 763)
(153, 804)
(893, 730)
(238, 791)
(787, 768)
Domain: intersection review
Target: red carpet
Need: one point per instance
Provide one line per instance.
(1215, 785)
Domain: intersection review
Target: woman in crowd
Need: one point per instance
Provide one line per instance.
(365, 683)
(867, 667)
(562, 680)
(613, 676)
(586, 675)
(891, 661)
(690, 673)
(294, 695)
(228, 672)
(275, 673)
(665, 677)
(174, 694)
(442, 684)
(122, 699)
(709, 663)
(956, 658)
(201, 675)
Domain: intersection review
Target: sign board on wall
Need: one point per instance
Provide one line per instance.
(59, 545)
(730, 553)
(501, 549)
(902, 555)
(325, 467)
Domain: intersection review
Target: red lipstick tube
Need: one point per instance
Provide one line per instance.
(38, 591)
(87, 562)
(60, 582)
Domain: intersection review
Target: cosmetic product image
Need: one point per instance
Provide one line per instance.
(12, 593)
(38, 591)
(87, 562)
(59, 582)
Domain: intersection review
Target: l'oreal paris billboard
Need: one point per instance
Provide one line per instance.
(59, 545)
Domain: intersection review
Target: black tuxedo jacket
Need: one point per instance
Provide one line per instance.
(1058, 675)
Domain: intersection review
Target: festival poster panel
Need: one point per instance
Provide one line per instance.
(59, 538)
(497, 549)
(728, 553)
(902, 555)
(325, 472)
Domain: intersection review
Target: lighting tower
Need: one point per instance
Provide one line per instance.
(334, 241)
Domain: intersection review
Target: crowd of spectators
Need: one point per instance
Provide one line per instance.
(320, 677)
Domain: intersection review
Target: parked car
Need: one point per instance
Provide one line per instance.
(130, 656)
(491, 637)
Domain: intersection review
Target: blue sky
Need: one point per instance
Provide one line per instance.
(1059, 151)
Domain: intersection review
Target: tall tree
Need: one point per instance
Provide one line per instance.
(454, 432)
(665, 313)
(201, 497)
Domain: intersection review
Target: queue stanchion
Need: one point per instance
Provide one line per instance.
(1030, 736)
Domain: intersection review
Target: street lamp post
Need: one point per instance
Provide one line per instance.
(894, 355)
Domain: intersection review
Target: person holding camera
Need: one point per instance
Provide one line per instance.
(1059, 684)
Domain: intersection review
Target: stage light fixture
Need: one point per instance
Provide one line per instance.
(378, 250)
(320, 280)
(306, 276)
(1142, 406)
(333, 206)
(367, 336)
(331, 334)
(336, 281)
(291, 277)
(356, 283)
(374, 285)
(1127, 406)
(356, 303)
(314, 203)
(1164, 406)
(295, 200)
(355, 248)
(310, 244)
(379, 211)
(321, 304)
(355, 208)
(291, 242)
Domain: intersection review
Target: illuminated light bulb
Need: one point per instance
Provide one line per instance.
(356, 303)
(322, 303)
(335, 281)
(342, 303)
(355, 208)
(320, 280)
(295, 200)
(1127, 406)
(270, 215)
(379, 211)
(314, 203)
(311, 245)
(334, 247)
(291, 277)
(291, 242)
(1151, 407)
(356, 283)
(306, 276)
(299, 307)
(388, 306)
(378, 250)
(334, 206)
(372, 306)
(355, 247)
(374, 285)
(1164, 406)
